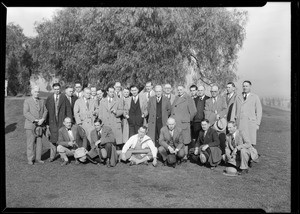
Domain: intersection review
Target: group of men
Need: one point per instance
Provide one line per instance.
(138, 127)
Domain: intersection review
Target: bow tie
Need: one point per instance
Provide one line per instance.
(69, 129)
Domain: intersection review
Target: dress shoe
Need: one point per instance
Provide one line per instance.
(165, 163)
(131, 163)
(65, 163)
(39, 161)
(30, 162)
(212, 167)
(243, 171)
(108, 163)
(51, 160)
(90, 159)
(173, 165)
(77, 162)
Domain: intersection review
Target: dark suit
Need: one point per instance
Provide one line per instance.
(108, 142)
(213, 152)
(73, 99)
(196, 124)
(166, 140)
(33, 111)
(78, 133)
(55, 123)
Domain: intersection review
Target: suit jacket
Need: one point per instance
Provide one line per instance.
(110, 119)
(143, 95)
(172, 98)
(247, 115)
(125, 125)
(211, 108)
(107, 136)
(200, 109)
(64, 110)
(230, 103)
(242, 141)
(32, 112)
(165, 138)
(78, 133)
(80, 94)
(183, 111)
(81, 113)
(143, 106)
(151, 110)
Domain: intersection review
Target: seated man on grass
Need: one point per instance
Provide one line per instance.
(171, 142)
(70, 138)
(103, 144)
(238, 149)
(139, 149)
(207, 147)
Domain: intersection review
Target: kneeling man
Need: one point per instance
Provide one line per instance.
(171, 141)
(238, 148)
(70, 137)
(103, 143)
(208, 146)
(139, 149)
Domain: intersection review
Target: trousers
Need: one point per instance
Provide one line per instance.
(164, 153)
(34, 146)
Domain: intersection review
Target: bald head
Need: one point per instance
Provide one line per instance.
(35, 90)
(214, 91)
(158, 90)
(87, 93)
(180, 90)
(167, 88)
(201, 90)
(171, 123)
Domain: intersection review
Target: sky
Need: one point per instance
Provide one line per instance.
(265, 58)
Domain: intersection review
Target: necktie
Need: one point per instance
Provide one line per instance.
(134, 99)
(245, 96)
(109, 100)
(71, 135)
(87, 104)
(158, 99)
(233, 141)
(204, 133)
(169, 96)
(99, 135)
(56, 106)
(214, 100)
(70, 99)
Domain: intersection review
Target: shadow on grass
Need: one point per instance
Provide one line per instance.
(10, 128)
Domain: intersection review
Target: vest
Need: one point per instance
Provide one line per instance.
(158, 109)
(135, 113)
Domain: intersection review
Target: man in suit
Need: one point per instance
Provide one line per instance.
(125, 127)
(139, 149)
(230, 99)
(135, 111)
(238, 150)
(58, 108)
(99, 97)
(158, 110)
(70, 137)
(35, 113)
(94, 92)
(147, 92)
(194, 96)
(171, 141)
(183, 111)
(200, 104)
(103, 144)
(168, 94)
(110, 112)
(71, 98)
(85, 112)
(118, 90)
(207, 147)
(247, 112)
(78, 89)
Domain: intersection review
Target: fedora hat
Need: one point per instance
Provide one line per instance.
(230, 171)
(171, 159)
(38, 131)
(220, 125)
(80, 153)
(203, 157)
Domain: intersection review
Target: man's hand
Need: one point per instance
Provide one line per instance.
(40, 122)
(257, 127)
(171, 150)
(204, 147)
(48, 133)
(97, 142)
(70, 143)
(113, 111)
(196, 152)
(218, 116)
(154, 162)
(94, 113)
(176, 150)
(143, 115)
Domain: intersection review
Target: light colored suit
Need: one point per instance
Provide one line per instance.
(183, 111)
(85, 116)
(246, 150)
(112, 120)
(33, 110)
(151, 111)
(230, 101)
(212, 109)
(247, 115)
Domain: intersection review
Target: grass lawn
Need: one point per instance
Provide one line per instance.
(266, 186)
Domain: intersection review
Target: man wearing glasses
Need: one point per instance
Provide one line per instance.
(78, 90)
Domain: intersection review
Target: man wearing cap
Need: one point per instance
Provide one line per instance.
(103, 144)
(171, 141)
(85, 112)
(70, 137)
(207, 146)
(167, 92)
(35, 114)
(238, 150)
(59, 107)
(159, 109)
(118, 90)
(139, 149)
(183, 111)
(110, 112)
(247, 112)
